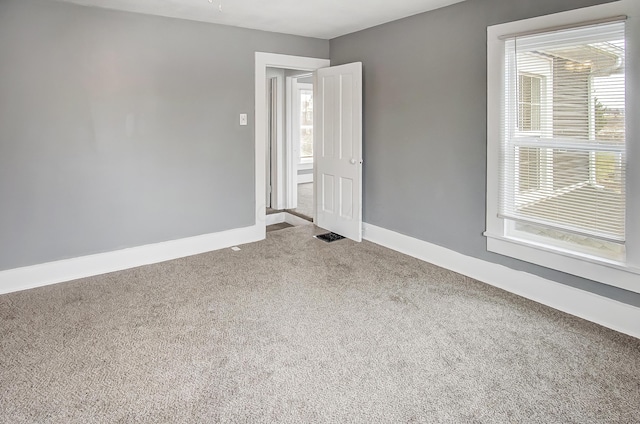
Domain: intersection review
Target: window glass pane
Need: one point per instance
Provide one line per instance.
(306, 124)
(566, 239)
(529, 103)
(563, 152)
(529, 172)
(569, 168)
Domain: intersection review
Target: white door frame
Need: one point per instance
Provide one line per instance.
(291, 192)
(275, 162)
(262, 62)
(271, 102)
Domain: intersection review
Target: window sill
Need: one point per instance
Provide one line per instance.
(305, 164)
(617, 274)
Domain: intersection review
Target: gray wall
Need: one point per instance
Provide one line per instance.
(118, 129)
(425, 125)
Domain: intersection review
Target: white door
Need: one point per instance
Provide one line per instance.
(338, 149)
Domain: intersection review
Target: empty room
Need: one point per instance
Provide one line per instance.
(328, 211)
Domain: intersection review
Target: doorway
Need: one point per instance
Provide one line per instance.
(301, 114)
(289, 174)
(337, 141)
(289, 162)
(280, 174)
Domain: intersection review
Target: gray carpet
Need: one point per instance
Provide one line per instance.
(292, 329)
(278, 227)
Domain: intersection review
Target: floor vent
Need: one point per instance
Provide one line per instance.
(329, 237)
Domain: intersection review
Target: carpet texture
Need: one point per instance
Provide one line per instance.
(277, 227)
(292, 329)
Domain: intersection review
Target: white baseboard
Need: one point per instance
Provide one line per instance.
(280, 217)
(85, 266)
(601, 310)
(296, 221)
(274, 218)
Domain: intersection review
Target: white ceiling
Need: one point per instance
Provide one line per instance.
(313, 18)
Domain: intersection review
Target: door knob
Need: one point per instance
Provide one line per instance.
(352, 161)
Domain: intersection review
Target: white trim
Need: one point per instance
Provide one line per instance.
(585, 266)
(289, 218)
(274, 218)
(622, 275)
(292, 173)
(278, 150)
(576, 17)
(296, 221)
(262, 61)
(86, 266)
(601, 310)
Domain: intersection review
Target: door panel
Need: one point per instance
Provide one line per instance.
(327, 193)
(338, 147)
(346, 199)
(328, 104)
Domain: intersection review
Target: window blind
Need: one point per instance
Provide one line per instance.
(563, 148)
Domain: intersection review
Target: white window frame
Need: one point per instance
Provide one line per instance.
(619, 273)
(303, 163)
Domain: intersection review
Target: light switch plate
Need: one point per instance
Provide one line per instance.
(243, 119)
